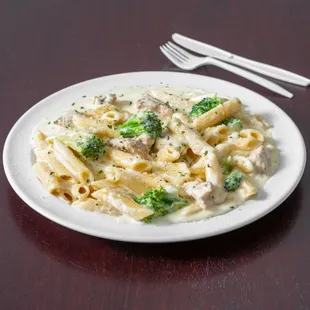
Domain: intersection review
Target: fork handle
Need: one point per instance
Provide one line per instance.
(250, 76)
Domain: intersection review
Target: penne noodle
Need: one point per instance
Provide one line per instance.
(199, 167)
(174, 173)
(126, 160)
(98, 112)
(112, 117)
(80, 191)
(139, 183)
(193, 139)
(39, 141)
(60, 171)
(243, 163)
(169, 154)
(66, 157)
(120, 200)
(47, 177)
(66, 196)
(224, 149)
(217, 114)
(94, 125)
(91, 204)
(216, 135)
(249, 139)
(213, 169)
(247, 189)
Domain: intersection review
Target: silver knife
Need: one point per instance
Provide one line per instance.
(268, 70)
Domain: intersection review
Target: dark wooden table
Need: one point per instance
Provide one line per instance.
(47, 45)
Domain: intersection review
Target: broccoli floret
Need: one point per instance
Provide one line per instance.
(233, 180)
(87, 145)
(227, 165)
(233, 122)
(161, 202)
(142, 122)
(205, 105)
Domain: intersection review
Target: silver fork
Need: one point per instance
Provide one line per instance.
(188, 61)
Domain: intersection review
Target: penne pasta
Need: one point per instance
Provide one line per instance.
(47, 177)
(39, 141)
(213, 169)
(224, 149)
(112, 117)
(249, 139)
(193, 139)
(247, 189)
(243, 163)
(216, 135)
(199, 167)
(127, 160)
(168, 154)
(91, 204)
(66, 157)
(94, 125)
(120, 200)
(80, 191)
(170, 147)
(217, 114)
(47, 156)
(138, 183)
(174, 173)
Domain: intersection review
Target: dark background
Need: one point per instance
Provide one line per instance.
(48, 45)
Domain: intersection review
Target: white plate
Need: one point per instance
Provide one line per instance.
(17, 160)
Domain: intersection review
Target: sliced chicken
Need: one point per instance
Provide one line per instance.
(65, 121)
(130, 145)
(148, 102)
(261, 158)
(146, 140)
(177, 103)
(201, 192)
(100, 100)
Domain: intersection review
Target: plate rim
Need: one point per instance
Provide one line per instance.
(71, 225)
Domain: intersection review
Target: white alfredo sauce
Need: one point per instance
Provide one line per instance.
(126, 99)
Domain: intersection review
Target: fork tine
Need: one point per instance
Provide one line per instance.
(176, 52)
(171, 56)
(181, 50)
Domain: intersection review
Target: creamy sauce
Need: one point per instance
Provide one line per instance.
(178, 100)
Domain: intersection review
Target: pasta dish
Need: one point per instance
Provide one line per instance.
(155, 154)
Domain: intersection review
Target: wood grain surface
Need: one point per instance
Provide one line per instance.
(48, 45)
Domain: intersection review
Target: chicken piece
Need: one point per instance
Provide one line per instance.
(100, 100)
(146, 140)
(176, 102)
(65, 121)
(130, 145)
(201, 192)
(261, 158)
(148, 102)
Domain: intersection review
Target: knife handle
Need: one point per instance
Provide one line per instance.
(250, 76)
(268, 70)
